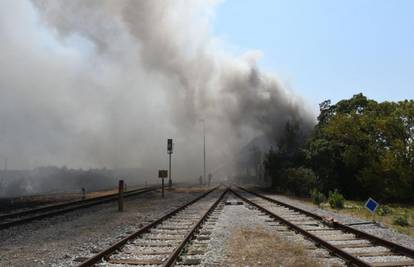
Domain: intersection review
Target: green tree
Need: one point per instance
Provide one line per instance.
(359, 146)
(364, 148)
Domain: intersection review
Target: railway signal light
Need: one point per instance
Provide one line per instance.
(170, 146)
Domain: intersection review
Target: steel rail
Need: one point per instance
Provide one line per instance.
(374, 239)
(107, 252)
(64, 204)
(351, 260)
(53, 210)
(174, 256)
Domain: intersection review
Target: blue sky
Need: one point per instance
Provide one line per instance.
(328, 49)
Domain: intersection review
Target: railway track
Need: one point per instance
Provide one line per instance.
(355, 247)
(22, 217)
(178, 238)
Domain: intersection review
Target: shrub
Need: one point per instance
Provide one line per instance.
(336, 200)
(401, 220)
(317, 197)
(384, 210)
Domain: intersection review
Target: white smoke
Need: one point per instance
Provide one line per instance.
(105, 83)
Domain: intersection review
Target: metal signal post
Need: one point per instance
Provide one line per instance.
(162, 174)
(169, 151)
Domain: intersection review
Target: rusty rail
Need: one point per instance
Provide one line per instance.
(174, 256)
(351, 260)
(107, 252)
(374, 239)
(53, 210)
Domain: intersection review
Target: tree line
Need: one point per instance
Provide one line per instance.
(359, 147)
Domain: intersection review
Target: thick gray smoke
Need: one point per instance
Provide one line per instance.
(104, 83)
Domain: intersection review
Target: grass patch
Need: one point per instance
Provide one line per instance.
(396, 216)
(259, 247)
(386, 214)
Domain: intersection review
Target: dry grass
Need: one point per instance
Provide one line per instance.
(259, 247)
(102, 193)
(194, 189)
(356, 209)
(12, 204)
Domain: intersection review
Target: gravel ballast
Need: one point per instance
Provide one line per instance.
(371, 228)
(66, 239)
(236, 217)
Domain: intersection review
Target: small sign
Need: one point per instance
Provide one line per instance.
(371, 205)
(162, 173)
(170, 145)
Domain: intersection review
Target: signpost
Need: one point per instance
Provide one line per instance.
(371, 205)
(169, 151)
(162, 174)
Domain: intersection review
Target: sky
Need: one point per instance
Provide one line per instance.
(325, 49)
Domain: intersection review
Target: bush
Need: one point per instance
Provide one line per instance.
(317, 197)
(384, 210)
(401, 220)
(336, 200)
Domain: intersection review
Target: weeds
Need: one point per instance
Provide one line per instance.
(336, 200)
(384, 210)
(401, 220)
(317, 197)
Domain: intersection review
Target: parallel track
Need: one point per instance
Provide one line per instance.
(22, 217)
(162, 242)
(341, 240)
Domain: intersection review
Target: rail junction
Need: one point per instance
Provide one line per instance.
(181, 237)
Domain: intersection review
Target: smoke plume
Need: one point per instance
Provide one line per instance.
(104, 83)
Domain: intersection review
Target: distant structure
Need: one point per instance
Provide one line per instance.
(3, 177)
(209, 178)
(251, 158)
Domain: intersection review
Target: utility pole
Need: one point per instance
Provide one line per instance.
(204, 152)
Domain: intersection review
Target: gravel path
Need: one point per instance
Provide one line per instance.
(374, 229)
(65, 239)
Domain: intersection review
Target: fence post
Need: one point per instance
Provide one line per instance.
(83, 193)
(121, 195)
